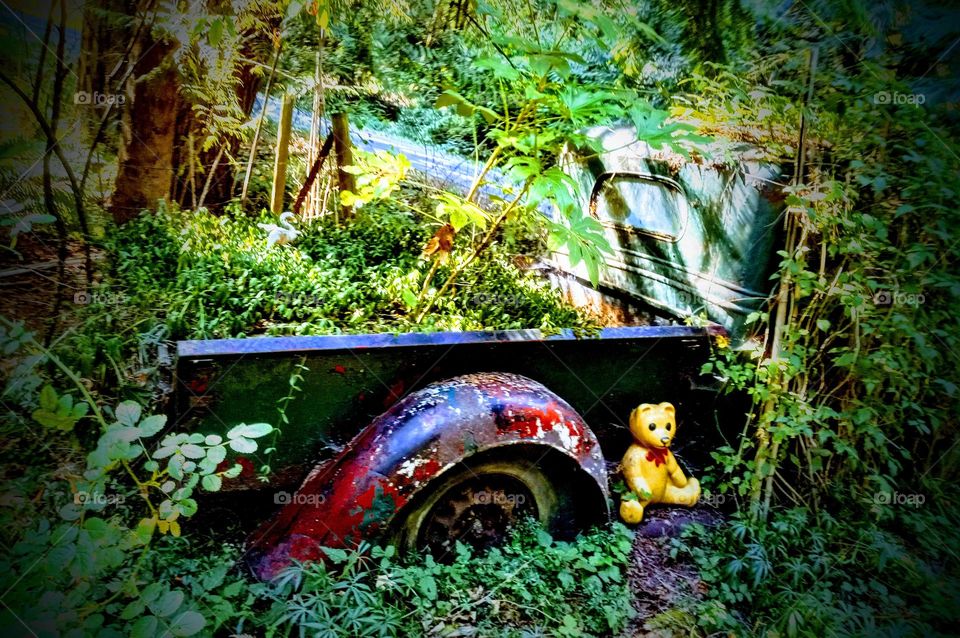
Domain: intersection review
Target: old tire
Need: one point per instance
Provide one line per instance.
(479, 500)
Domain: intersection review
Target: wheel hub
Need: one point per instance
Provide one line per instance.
(478, 512)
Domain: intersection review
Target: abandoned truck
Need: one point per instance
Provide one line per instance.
(425, 439)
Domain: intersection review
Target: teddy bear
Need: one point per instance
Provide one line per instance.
(649, 468)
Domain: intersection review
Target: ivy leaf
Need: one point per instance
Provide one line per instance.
(428, 587)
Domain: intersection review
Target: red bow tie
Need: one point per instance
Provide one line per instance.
(657, 455)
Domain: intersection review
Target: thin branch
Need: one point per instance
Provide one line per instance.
(256, 133)
(317, 164)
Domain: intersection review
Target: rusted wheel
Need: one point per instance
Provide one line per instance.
(480, 501)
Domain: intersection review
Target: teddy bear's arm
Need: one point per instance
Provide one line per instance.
(677, 477)
(632, 472)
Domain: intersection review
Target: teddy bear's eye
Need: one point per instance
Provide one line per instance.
(653, 426)
(668, 427)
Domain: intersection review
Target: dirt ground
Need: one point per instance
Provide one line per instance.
(657, 580)
(28, 280)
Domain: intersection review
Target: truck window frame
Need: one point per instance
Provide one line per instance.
(659, 180)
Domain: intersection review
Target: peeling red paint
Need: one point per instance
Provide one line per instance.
(339, 369)
(427, 470)
(406, 448)
(527, 422)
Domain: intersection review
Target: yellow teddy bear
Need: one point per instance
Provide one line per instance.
(650, 469)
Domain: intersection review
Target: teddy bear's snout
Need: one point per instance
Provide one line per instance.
(665, 440)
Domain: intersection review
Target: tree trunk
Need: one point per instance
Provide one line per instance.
(280, 164)
(148, 123)
(107, 41)
(344, 150)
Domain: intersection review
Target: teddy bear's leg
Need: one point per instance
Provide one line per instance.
(687, 495)
(631, 511)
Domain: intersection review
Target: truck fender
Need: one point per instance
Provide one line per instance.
(428, 435)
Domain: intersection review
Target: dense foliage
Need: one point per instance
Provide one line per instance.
(103, 549)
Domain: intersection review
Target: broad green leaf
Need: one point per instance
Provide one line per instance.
(167, 604)
(256, 430)
(243, 446)
(192, 451)
(48, 398)
(187, 624)
(409, 298)
(128, 413)
(216, 454)
(146, 627)
(233, 472)
(212, 483)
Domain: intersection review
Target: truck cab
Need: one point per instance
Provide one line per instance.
(689, 238)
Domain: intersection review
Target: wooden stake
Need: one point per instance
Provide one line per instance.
(283, 149)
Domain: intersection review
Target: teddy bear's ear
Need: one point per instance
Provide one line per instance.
(640, 409)
(668, 408)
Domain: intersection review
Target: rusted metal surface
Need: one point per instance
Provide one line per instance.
(360, 493)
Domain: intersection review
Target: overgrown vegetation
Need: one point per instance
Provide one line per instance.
(103, 549)
(840, 479)
(195, 275)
